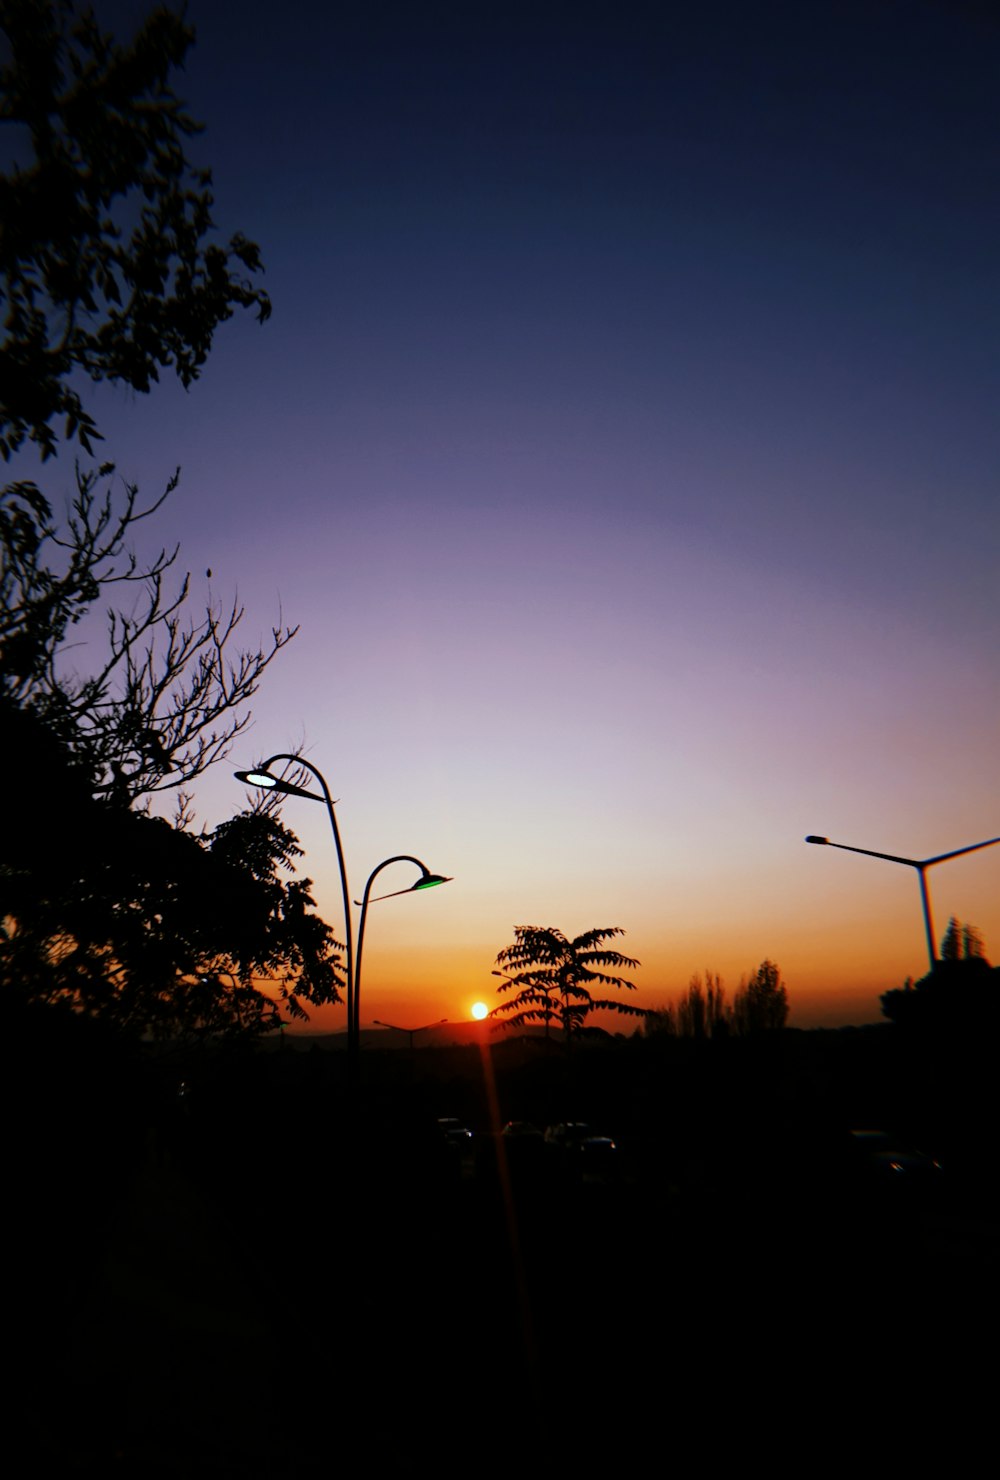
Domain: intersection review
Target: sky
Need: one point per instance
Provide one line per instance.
(624, 443)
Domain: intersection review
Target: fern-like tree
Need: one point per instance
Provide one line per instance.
(551, 979)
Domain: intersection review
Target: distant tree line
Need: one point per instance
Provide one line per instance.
(759, 1005)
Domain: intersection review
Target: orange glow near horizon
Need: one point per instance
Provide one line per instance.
(839, 938)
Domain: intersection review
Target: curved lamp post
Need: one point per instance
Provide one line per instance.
(921, 865)
(261, 776)
(427, 880)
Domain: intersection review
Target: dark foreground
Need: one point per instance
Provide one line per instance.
(241, 1265)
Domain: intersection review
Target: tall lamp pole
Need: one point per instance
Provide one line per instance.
(261, 776)
(921, 865)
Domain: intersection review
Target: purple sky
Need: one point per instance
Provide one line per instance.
(625, 441)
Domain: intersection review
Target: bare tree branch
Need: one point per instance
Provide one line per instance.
(169, 696)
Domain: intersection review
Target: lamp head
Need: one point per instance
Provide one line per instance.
(267, 782)
(428, 881)
(812, 838)
(256, 778)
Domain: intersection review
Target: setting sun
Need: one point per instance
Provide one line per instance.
(479, 1010)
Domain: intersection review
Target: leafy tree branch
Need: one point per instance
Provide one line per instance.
(106, 253)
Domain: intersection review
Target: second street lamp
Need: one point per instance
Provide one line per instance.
(921, 865)
(427, 880)
(262, 776)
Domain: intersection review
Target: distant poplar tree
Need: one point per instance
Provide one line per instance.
(973, 947)
(701, 1011)
(761, 1001)
(962, 942)
(951, 943)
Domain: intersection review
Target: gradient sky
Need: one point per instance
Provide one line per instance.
(625, 442)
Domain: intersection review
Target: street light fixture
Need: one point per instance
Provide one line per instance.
(411, 1031)
(921, 865)
(262, 777)
(427, 880)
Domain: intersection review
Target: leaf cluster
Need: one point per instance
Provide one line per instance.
(106, 252)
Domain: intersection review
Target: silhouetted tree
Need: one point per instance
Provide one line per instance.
(106, 254)
(701, 1011)
(144, 924)
(692, 1018)
(760, 1005)
(960, 995)
(551, 977)
(961, 941)
(166, 698)
(659, 1022)
(108, 269)
(761, 1001)
(972, 943)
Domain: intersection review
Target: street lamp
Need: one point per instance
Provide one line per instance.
(427, 880)
(411, 1031)
(921, 865)
(262, 776)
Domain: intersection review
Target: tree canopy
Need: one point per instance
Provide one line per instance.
(145, 923)
(761, 1001)
(106, 251)
(551, 977)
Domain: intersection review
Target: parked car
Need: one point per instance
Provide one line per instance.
(581, 1153)
(520, 1129)
(886, 1161)
(454, 1132)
